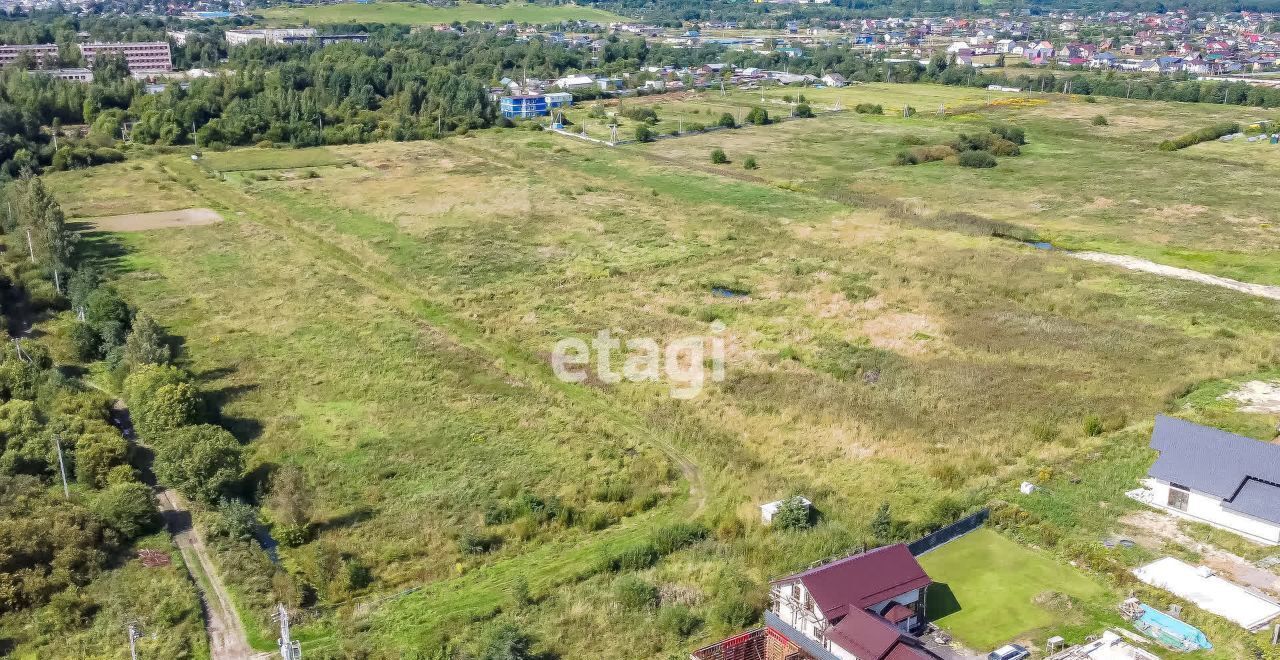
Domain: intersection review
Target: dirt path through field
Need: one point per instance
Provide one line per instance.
(1135, 263)
(227, 638)
(392, 288)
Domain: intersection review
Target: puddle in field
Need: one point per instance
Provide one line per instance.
(726, 292)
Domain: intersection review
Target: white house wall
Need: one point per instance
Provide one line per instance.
(805, 622)
(1209, 509)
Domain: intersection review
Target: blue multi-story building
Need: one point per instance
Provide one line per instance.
(524, 107)
(534, 105)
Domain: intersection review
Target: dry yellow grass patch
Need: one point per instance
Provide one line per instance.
(154, 220)
(907, 333)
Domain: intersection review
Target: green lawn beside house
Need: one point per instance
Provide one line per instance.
(989, 590)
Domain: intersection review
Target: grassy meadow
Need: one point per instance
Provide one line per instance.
(419, 14)
(1081, 185)
(382, 316)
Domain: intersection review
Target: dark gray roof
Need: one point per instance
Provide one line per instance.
(1258, 499)
(810, 645)
(1243, 472)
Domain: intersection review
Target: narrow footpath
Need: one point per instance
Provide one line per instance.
(227, 638)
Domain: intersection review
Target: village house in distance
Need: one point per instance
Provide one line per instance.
(1213, 476)
(863, 607)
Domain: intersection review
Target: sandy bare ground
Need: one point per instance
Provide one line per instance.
(1256, 396)
(1153, 529)
(155, 220)
(1134, 263)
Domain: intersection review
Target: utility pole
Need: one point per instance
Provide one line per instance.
(134, 636)
(31, 248)
(17, 348)
(289, 649)
(62, 467)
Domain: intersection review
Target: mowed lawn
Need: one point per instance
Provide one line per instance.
(993, 586)
(404, 12)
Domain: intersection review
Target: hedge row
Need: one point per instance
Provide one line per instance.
(1203, 135)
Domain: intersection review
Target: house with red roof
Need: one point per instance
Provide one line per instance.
(863, 607)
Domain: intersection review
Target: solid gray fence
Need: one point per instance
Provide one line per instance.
(949, 533)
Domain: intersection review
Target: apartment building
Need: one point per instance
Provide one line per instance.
(271, 36)
(142, 56)
(38, 52)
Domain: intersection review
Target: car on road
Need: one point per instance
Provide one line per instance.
(1009, 652)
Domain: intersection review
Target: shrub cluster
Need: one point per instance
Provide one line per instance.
(641, 113)
(66, 158)
(977, 158)
(869, 109)
(1203, 135)
(968, 149)
(924, 155)
(991, 143)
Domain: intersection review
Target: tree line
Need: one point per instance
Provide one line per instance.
(60, 549)
(53, 548)
(398, 86)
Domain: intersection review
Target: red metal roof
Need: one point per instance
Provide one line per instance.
(862, 580)
(872, 638)
(898, 613)
(865, 635)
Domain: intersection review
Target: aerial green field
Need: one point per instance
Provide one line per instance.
(988, 589)
(1080, 185)
(383, 317)
(418, 14)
